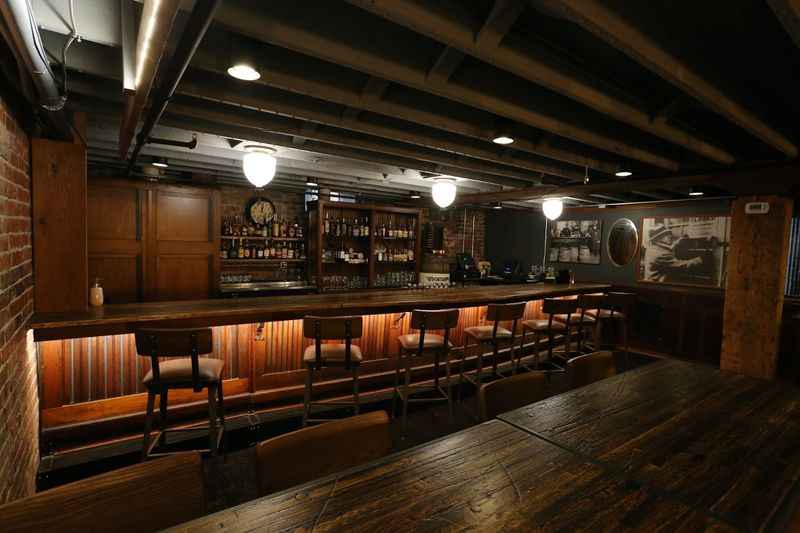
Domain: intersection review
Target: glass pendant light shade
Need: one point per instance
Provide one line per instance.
(552, 208)
(258, 165)
(444, 191)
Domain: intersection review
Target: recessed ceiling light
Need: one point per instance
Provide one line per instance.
(310, 182)
(503, 139)
(160, 162)
(243, 71)
(695, 192)
(498, 205)
(623, 173)
(415, 195)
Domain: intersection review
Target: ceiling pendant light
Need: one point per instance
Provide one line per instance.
(259, 164)
(552, 208)
(503, 139)
(243, 64)
(622, 173)
(444, 191)
(244, 72)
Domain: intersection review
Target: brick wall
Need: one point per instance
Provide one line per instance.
(19, 413)
(455, 220)
(287, 204)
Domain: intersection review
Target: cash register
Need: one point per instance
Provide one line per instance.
(465, 269)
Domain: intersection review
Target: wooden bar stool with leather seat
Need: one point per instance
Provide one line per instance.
(415, 344)
(586, 369)
(549, 326)
(617, 309)
(589, 305)
(491, 335)
(182, 372)
(321, 355)
(511, 393)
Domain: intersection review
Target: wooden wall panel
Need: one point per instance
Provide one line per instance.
(59, 226)
(755, 287)
(183, 277)
(183, 216)
(113, 212)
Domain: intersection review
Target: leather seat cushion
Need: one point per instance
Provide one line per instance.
(574, 319)
(542, 324)
(432, 341)
(483, 333)
(180, 370)
(332, 353)
(605, 313)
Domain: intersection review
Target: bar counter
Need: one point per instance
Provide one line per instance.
(124, 318)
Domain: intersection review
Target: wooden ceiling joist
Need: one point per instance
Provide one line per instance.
(308, 109)
(599, 19)
(788, 13)
(447, 63)
(307, 34)
(533, 65)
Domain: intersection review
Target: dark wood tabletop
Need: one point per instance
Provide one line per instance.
(123, 318)
(722, 441)
(491, 477)
(671, 446)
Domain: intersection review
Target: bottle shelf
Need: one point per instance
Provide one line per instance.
(260, 261)
(261, 238)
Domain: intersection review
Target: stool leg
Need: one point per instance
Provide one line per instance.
(479, 375)
(449, 385)
(396, 390)
(355, 390)
(536, 349)
(148, 422)
(518, 361)
(212, 418)
(461, 371)
(221, 406)
(307, 395)
(407, 392)
(162, 411)
(495, 355)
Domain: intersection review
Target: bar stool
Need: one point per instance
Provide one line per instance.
(589, 305)
(539, 327)
(491, 335)
(318, 355)
(617, 309)
(415, 344)
(183, 372)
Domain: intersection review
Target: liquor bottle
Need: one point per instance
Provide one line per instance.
(327, 229)
(356, 228)
(240, 252)
(300, 231)
(223, 253)
(411, 255)
(260, 253)
(290, 252)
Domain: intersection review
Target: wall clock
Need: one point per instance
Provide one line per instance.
(260, 210)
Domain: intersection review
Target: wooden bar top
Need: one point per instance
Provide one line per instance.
(124, 318)
(671, 446)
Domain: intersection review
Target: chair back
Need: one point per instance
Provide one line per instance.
(499, 312)
(511, 393)
(423, 320)
(130, 499)
(318, 451)
(620, 302)
(174, 342)
(340, 328)
(554, 306)
(586, 369)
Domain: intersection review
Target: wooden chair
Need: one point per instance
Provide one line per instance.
(511, 393)
(491, 335)
(148, 496)
(586, 369)
(617, 309)
(181, 372)
(549, 326)
(318, 451)
(415, 344)
(321, 355)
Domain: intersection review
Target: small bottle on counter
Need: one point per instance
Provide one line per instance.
(96, 294)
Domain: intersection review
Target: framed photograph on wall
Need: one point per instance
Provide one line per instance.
(575, 241)
(688, 250)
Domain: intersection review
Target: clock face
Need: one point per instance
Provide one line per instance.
(260, 210)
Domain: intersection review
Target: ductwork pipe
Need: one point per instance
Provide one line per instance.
(22, 17)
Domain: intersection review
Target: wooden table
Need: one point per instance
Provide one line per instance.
(647, 450)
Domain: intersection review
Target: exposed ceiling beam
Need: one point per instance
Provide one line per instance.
(308, 32)
(435, 21)
(212, 111)
(766, 180)
(224, 127)
(599, 19)
(503, 15)
(788, 12)
(446, 64)
(155, 26)
(296, 73)
(309, 109)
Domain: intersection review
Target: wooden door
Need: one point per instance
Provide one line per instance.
(183, 243)
(115, 229)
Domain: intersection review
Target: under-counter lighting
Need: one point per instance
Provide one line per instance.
(244, 72)
(623, 173)
(503, 139)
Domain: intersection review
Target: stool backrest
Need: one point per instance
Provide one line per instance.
(174, 342)
(318, 451)
(129, 499)
(620, 301)
(322, 328)
(586, 369)
(499, 312)
(511, 393)
(423, 320)
(554, 306)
